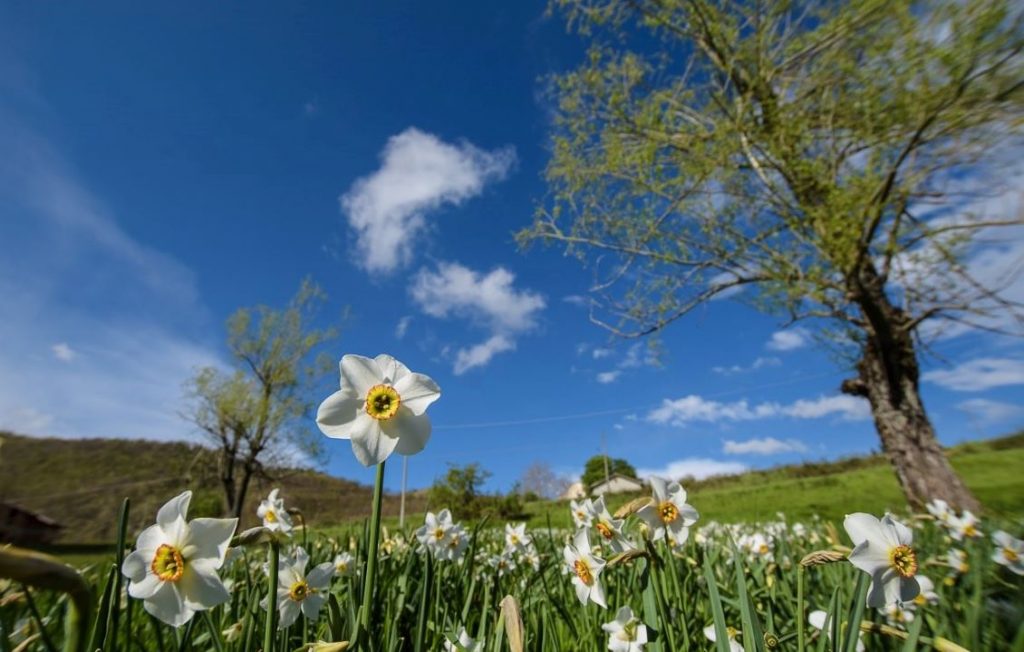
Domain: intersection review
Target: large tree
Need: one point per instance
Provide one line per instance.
(817, 159)
(257, 415)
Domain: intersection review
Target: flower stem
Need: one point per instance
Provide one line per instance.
(268, 632)
(371, 556)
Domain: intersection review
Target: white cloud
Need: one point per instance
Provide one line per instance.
(681, 411)
(480, 354)
(979, 374)
(606, 377)
(601, 353)
(694, 467)
(986, 411)
(759, 363)
(489, 301)
(63, 352)
(638, 355)
(419, 173)
(403, 326)
(576, 300)
(766, 446)
(789, 340)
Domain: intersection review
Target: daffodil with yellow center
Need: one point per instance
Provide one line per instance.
(168, 564)
(668, 515)
(1009, 552)
(299, 592)
(610, 529)
(381, 408)
(274, 514)
(585, 569)
(883, 549)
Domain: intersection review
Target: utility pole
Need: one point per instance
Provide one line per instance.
(604, 449)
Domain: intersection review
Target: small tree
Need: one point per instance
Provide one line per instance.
(540, 480)
(459, 490)
(820, 156)
(593, 470)
(256, 416)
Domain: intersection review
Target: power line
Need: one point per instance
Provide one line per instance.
(603, 413)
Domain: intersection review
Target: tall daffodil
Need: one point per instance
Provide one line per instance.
(380, 407)
(585, 569)
(173, 569)
(626, 633)
(275, 516)
(883, 550)
(298, 592)
(668, 515)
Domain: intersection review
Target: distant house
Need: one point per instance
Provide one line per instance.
(575, 491)
(23, 527)
(616, 484)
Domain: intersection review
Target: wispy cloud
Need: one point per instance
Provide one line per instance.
(419, 173)
(988, 412)
(766, 446)
(63, 352)
(606, 377)
(693, 467)
(789, 340)
(679, 412)
(490, 301)
(980, 374)
(403, 326)
(760, 363)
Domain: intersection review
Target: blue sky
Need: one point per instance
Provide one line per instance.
(164, 166)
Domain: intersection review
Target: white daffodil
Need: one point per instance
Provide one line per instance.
(1009, 552)
(173, 569)
(275, 516)
(435, 532)
(927, 595)
(531, 558)
(463, 643)
(757, 545)
(381, 407)
(585, 568)
(957, 560)
(344, 565)
(883, 550)
(503, 563)
(899, 614)
(609, 528)
(668, 515)
(626, 633)
(582, 512)
(819, 620)
(940, 510)
(298, 592)
(709, 633)
(516, 537)
(964, 527)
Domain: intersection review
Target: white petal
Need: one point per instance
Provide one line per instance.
(392, 370)
(320, 577)
(709, 633)
(869, 557)
(167, 606)
(312, 604)
(337, 414)
(145, 588)
(817, 619)
(369, 443)
(865, 527)
(411, 431)
(658, 487)
(208, 538)
(597, 594)
(289, 611)
(135, 565)
(909, 588)
(359, 374)
(582, 590)
(898, 532)
(150, 539)
(200, 590)
(171, 518)
(417, 392)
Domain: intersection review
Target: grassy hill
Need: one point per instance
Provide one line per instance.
(80, 483)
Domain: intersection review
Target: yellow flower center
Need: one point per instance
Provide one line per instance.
(382, 402)
(668, 511)
(454, 543)
(271, 516)
(605, 530)
(300, 591)
(970, 531)
(903, 560)
(168, 564)
(439, 534)
(1010, 555)
(920, 600)
(763, 549)
(342, 566)
(583, 572)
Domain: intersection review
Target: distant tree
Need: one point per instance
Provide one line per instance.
(460, 490)
(828, 159)
(257, 416)
(539, 479)
(593, 470)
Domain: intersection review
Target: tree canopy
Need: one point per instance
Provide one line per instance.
(593, 470)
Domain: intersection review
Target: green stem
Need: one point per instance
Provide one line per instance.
(800, 608)
(659, 592)
(268, 631)
(371, 557)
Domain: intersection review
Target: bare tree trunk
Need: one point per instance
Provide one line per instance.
(243, 489)
(227, 479)
(888, 379)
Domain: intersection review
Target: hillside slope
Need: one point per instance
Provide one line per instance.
(80, 483)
